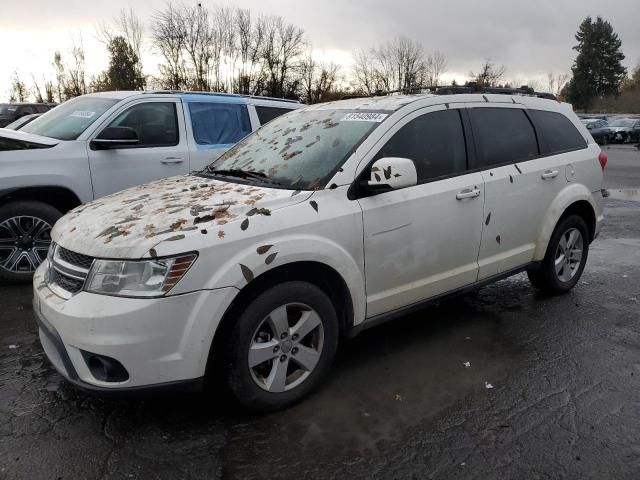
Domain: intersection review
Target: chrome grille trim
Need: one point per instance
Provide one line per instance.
(69, 270)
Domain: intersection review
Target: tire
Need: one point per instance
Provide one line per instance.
(260, 387)
(24, 225)
(560, 280)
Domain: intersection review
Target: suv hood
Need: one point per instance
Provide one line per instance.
(18, 140)
(128, 224)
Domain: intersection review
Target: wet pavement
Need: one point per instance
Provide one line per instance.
(400, 402)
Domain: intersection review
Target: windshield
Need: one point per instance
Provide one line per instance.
(623, 122)
(301, 150)
(69, 120)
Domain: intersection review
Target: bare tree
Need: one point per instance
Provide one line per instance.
(169, 37)
(555, 83)
(318, 79)
(489, 75)
(76, 82)
(199, 37)
(399, 64)
(281, 50)
(36, 91)
(58, 66)
(365, 72)
(19, 91)
(436, 65)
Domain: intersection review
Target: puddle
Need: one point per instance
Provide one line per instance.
(624, 194)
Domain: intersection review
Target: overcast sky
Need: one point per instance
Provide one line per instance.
(528, 38)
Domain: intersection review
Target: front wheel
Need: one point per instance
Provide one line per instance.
(282, 346)
(565, 259)
(25, 236)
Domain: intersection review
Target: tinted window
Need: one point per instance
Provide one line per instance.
(435, 143)
(266, 114)
(219, 123)
(503, 135)
(155, 123)
(557, 133)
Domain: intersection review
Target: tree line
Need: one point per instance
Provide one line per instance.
(228, 49)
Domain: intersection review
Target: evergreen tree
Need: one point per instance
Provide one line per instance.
(597, 70)
(124, 72)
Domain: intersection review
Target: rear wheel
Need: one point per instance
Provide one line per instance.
(282, 346)
(565, 259)
(25, 236)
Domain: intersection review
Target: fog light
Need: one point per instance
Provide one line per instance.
(105, 369)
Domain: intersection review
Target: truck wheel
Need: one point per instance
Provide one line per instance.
(25, 236)
(565, 259)
(282, 346)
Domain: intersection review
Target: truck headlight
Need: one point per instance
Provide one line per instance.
(137, 278)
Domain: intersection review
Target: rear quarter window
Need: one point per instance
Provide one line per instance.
(219, 123)
(503, 135)
(266, 114)
(557, 133)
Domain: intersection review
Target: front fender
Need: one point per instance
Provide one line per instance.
(571, 194)
(248, 264)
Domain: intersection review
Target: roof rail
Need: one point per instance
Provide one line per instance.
(218, 94)
(471, 87)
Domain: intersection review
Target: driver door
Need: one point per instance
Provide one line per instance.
(162, 149)
(423, 241)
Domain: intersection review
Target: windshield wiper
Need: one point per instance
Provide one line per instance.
(236, 172)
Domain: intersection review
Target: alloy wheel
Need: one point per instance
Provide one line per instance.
(286, 347)
(24, 242)
(569, 254)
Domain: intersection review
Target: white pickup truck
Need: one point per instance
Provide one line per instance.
(98, 144)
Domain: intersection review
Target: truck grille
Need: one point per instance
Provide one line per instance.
(69, 271)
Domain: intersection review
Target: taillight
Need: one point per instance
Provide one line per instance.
(602, 158)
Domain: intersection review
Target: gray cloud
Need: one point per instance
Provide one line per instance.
(529, 38)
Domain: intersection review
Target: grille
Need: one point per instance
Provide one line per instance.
(69, 271)
(69, 284)
(77, 259)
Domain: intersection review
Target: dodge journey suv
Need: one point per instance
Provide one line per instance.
(325, 221)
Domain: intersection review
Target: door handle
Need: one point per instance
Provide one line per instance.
(468, 193)
(549, 174)
(170, 160)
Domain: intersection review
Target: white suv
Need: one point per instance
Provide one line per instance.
(325, 221)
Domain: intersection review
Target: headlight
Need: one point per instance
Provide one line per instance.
(145, 278)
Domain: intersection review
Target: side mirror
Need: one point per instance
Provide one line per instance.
(392, 173)
(115, 137)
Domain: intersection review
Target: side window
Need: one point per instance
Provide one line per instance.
(219, 123)
(503, 135)
(155, 123)
(435, 143)
(266, 114)
(557, 133)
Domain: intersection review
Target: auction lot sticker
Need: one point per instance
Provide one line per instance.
(82, 114)
(364, 117)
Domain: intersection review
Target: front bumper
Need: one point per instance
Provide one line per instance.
(163, 343)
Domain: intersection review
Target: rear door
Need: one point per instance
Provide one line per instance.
(523, 156)
(423, 240)
(162, 150)
(214, 126)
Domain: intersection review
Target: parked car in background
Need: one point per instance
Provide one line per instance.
(97, 144)
(599, 130)
(10, 112)
(21, 122)
(625, 130)
(325, 221)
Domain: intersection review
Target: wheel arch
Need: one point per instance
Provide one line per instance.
(319, 274)
(61, 198)
(574, 200)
